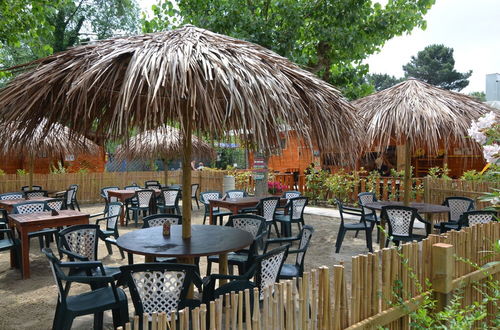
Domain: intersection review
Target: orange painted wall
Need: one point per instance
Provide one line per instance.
(94, 163)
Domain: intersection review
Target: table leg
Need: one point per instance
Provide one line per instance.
(122, 216)
(13, 260)
(211, 217)
(25, 253)
(223, 266)
(189, 261)
(430, 218)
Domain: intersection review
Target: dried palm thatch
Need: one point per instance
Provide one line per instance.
(418, 115)
(49, 139)
(424, 113)
(206, 81)
(164, 142)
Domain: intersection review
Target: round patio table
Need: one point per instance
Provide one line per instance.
(206, 240)
(424, 208)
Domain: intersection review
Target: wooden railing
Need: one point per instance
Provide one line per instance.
(386, 287)
(90, 184)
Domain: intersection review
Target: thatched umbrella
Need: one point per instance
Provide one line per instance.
(208, 82)
(420, 115)
(164, 142)
(50, 139)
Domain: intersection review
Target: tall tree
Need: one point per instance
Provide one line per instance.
(329, 38)
(382, 81)
(436, 66)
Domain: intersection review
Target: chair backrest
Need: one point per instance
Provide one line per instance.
(30, 207)
(133, 187)
(35, 193)
(267, 207)
(81, 239)
(400, 219)
(253, 224)
(472, 218)
(305, 238)
(171, 196)
(458, 206)
(104, 193)
(57, 272)
(297, 207)
(194, 189)
(291, 194)
(75, 188)
(206, 196)
(144, 197)
(113, 212)
(70, 195)
(156, 220)
(235, 193)
(175, 186)
(158, 287)
(365, 198)
(11, 196)
(152, 183)
(269, 267)
(351, 211)
(27, 188)
(55, 204)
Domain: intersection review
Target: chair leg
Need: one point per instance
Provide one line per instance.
(67, 322)
(108, 247)
(136, 217)
(340, 238)
(130, 258)
(204, 218)
(356, 235)
(40, 241)
(77, 205)
(98, 320)
(209, 267)
(387, 241)
(120, 315)
(276, 228)
(197, 204)
(369, 244)
(121, 253)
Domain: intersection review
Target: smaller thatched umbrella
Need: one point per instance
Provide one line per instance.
(164, 142)
(48, 139)
(421, 115)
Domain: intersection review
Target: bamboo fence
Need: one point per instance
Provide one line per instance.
(386, 287)
(90, 184)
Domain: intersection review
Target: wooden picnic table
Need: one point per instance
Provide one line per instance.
(8, 204)
(123, 194)
(236, 204)
(27, 223)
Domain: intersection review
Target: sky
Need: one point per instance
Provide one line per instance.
(470, 27)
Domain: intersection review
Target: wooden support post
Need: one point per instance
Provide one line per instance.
(408, 183)
(186, 172)
(443, 269)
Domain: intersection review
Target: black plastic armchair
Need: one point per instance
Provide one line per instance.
(103, 296)
(110, 232)
(361, 224)
(458, 206)
(30, 194)
(8, 242)
(368, 214)
(295, 214)
(267, 209)
(468, 219)
(194, 194)
(205, 198)
(144, 198)
(170, 201)
(27, 188)
(289, 271)
(400, 220)
(235, 193)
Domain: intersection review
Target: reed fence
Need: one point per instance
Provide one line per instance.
(386, 287)
(90, 184)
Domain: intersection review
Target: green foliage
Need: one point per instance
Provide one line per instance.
(479, 96)
(242, 179)
(381, 81)
(491, 175)
(439, 172)
(371, 181)
(58, 168)
(316, 185)
(21, 171)
(436, 66)
(2, 172)
(471, 175)
(341, 184)
(329, 38)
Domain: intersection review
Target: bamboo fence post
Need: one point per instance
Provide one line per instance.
(240, 310)
(195, 318)
(203, 316)
(314, 300)
(219, 308)
(442, 273)
(127, 326)
(154, 321)
(212, 315)
(145, 320)
(289, 306)
(256, 311)
(248, 317)
(227, 310)
(181, 320)
(234, 310)
(267, 310)
(306, 321)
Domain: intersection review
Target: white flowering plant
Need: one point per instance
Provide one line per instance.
(486, 131)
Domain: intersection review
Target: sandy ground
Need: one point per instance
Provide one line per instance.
(30, 304)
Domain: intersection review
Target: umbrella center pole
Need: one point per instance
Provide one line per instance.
(408, 180)
(186, 173)
(31, 170)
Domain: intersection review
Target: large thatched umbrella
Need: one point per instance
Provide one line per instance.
(164, 142)
(50, 139)
(205, 81)
(419, 115)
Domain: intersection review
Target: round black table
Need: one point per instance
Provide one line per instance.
(205, 240)
(426, 208)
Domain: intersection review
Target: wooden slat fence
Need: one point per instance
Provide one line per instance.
(386, 287)
(90, 184)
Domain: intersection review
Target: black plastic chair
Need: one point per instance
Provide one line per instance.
(289, 271)
(360, 225)
(468, 219)
(157, 220)
(295, 214)
(458, 206)
(110, 232)
(55, 204)
(8, 242)
(150, 184)
(205, 198)
(170, 201)
(3, 212)
(400, 220)
(144, 197)
(369, 214)
(160, 287)
(104, 295)
(265, 270)
(289, 194)
(132, 200)
(79, 243)
(27, 188)
(243, 259)
(36, 207)
(267, 209)
(235, 193)
(194, 194)
(29, 194)
(74, 201)
(104, 194)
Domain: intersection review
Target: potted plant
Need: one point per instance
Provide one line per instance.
(275, 188)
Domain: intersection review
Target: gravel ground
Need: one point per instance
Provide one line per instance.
(30, 304)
